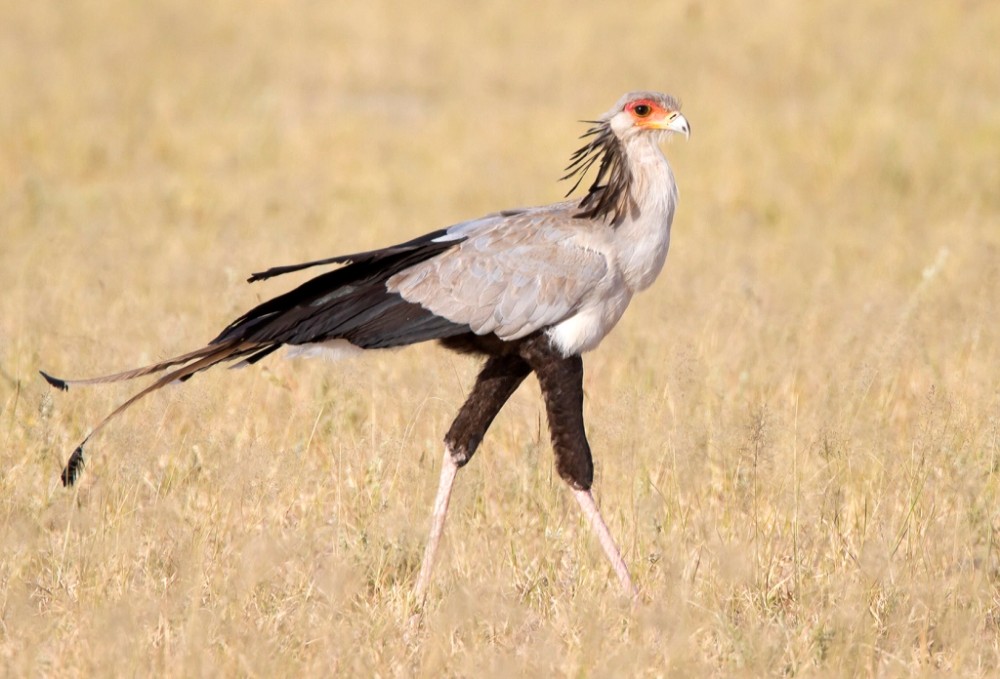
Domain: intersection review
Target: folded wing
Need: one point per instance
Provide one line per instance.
(510, 275)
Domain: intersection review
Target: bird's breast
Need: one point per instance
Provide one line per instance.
(585, 329)
(644, 254)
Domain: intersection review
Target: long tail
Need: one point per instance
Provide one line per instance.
(190, 363)
(351, 303)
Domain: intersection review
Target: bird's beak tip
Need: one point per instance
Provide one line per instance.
(681, 125)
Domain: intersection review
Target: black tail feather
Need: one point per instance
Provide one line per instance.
(74, 466)
(64, 384)
(55, 381)
(218, 354)
(350, 303)
(258, 356)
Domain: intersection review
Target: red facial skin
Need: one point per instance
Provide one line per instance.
(653, 115)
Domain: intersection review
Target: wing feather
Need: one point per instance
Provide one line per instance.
(512, 275)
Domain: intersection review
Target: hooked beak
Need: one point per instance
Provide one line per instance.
(677, 123)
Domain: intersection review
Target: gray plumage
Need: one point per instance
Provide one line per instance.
(531, 289)
(511, 275)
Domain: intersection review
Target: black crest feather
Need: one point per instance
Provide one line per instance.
(609, 196)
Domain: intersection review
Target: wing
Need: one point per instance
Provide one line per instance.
(511, 274)
(351, 303)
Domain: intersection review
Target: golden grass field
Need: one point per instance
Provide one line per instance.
(796, 430)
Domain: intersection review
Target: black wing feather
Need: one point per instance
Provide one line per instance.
(349, 303)
(360, 257)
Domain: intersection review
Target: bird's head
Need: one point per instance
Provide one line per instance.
(636, 120)
(641, 112)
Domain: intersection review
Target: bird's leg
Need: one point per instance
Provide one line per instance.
(448, 470)
(561, 380)
(496, 382)
(596, 522)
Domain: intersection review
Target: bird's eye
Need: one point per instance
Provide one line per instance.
(642, 110)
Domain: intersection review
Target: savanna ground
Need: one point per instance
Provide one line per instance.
(797, 429)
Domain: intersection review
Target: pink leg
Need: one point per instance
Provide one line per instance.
(448, 471)
(593, 515)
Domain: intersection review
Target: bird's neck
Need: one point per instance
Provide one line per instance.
(645, 239)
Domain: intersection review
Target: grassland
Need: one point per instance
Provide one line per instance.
(797, 430)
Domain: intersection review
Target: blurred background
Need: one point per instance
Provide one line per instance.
(795, 429)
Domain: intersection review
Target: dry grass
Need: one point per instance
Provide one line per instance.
(796, 429)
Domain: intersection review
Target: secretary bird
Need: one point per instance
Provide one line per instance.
(529, 289)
